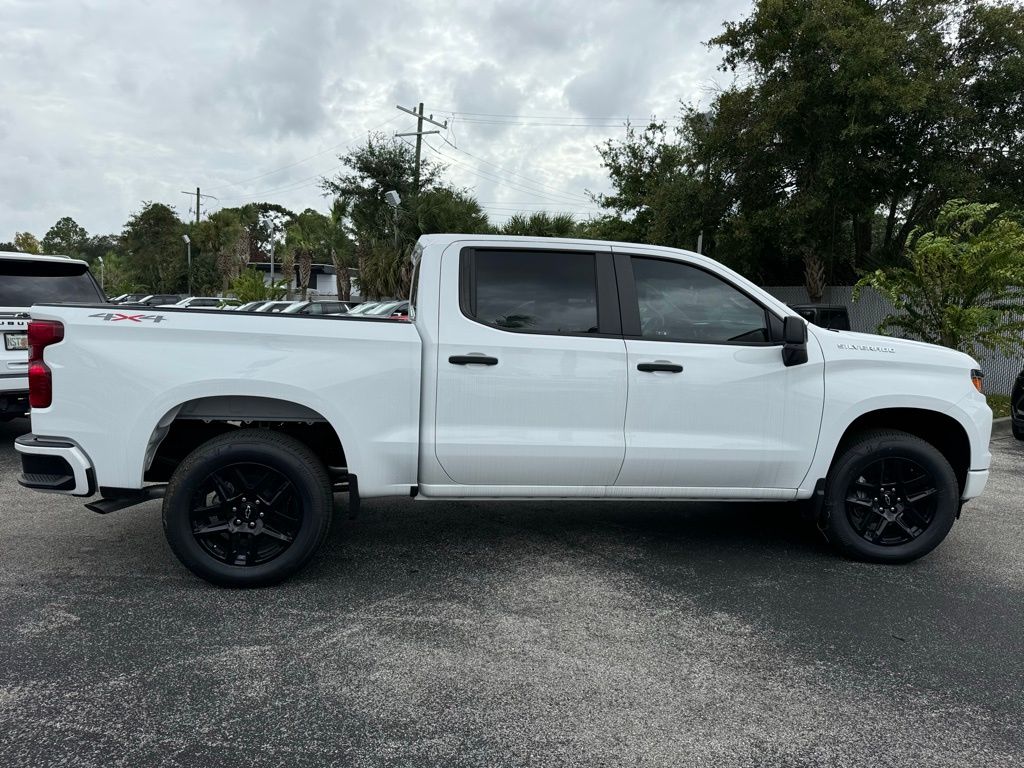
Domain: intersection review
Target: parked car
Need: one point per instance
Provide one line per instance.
(1017, 407)
(205, 302)
(26, 279)
(317, 308)
(251, 306)
(397, 310)
(155, 300)
(127, 298)
(534, 368)
(363, 308)
(834, 316)
(275, 306)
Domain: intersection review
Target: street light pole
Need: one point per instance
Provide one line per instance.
(103, 282)
(392, 198)
(188, 245)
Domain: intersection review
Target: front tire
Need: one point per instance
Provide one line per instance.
(248, 508)
(890, 497)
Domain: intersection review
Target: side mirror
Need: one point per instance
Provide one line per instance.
(794, 336)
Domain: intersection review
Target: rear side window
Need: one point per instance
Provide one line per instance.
(531, 291)
(679, 302)
(24, 282)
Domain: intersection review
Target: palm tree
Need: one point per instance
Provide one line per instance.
(342, 248)
(306, 236)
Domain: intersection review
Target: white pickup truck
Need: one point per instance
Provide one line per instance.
(528, 369)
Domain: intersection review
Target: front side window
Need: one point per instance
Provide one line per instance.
(679, 302)
(533, 291)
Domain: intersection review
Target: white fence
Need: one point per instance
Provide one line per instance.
(871, 309)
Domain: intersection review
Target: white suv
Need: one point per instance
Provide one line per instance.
(26, 279)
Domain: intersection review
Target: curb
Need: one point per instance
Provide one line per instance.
(1001, 426)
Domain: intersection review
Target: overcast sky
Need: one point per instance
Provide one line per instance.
(105, 104)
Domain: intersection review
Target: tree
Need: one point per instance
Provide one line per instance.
(342, 249)
(381, 236)
(118, 277)
(250, 286)
(540, 224)
(964, 284)
(381, 165)
(153, 249)
(850, 122)
(26, 242)
(66, 238)
(308, 237)
(100, 245)
(445, 209)
(222, 239)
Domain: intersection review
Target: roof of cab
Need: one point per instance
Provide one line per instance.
(36, 257)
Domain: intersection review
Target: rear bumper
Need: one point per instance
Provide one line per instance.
(976, 481)
(54, 465)
(13, 403)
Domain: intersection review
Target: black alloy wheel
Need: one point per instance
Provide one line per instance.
(245, 514)
(892, 501)
(890, 497)
(248, 508)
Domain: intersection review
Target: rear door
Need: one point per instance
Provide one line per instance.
(711, 404)
(531, 376)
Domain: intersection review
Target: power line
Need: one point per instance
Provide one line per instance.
(199, 198)
(539, 117)
(557, 197)
(419, 133)
(532, 181)
(470, 121)
(309, 181)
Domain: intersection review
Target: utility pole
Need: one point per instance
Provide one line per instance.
(419, 134)
(199, 198)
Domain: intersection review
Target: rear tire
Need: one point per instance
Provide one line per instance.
(248, 508)
(1018, 432)
(890, 497)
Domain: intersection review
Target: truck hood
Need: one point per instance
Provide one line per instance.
(848, 345)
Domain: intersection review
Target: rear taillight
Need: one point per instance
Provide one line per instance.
(41, 334)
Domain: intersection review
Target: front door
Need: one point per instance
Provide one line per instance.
(711, 405)
(531, 368)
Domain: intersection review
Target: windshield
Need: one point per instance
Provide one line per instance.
(25, 282)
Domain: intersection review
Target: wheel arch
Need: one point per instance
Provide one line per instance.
(941, 430)
(191, 423)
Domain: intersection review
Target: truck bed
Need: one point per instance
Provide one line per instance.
(147, 365)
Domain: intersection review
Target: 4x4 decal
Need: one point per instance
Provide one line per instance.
(113, 317)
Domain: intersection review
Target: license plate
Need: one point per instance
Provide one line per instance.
(15, 341)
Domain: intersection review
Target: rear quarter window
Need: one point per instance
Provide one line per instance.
(24, 282)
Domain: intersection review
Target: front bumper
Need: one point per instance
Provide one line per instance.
(976, 481)
(54, 465)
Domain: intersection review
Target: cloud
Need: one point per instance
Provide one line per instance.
(106, 104)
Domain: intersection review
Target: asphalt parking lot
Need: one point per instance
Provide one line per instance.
(514, 634)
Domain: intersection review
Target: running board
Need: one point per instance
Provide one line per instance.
(122, 498)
